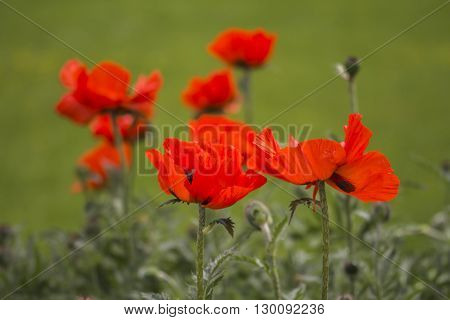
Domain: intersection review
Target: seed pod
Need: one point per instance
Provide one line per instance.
(351, 66)
(351, 269)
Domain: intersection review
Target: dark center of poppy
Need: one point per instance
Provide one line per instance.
(342, 183)
(189, 175)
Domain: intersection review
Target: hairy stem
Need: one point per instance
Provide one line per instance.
(244, 84)
(118, 143)
(273, 270)
(377, 262)
(349, 226)
(352, 94)
(200, 252)
(325, 239)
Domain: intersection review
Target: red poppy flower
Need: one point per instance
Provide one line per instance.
(243, 48)
(130, 127)
(346, 167)
(215, 92)
(208, 174)
(104, 87)
(99, 162)
(220, 129)
(145, 93)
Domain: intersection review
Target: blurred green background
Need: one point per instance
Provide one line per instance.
(403, 89)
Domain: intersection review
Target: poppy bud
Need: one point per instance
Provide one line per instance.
(259, 216)
(351, 66)
(351, 269)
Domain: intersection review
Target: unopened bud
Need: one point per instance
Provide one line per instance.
(258, 214)
(351, 269)
(351, 66)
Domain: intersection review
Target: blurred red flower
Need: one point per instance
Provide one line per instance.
(145, 93)
(208, 174)
(213, 93)
(344, 166)
(99, 162)
(220, 129)
(105, 87)
(243, 48)
(130, 127)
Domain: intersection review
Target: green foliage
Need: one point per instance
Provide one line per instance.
(142, 259)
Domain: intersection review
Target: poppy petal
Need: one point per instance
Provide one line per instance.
(71, 108)
(370, 177)
(323, 156)
(71, 72)
(107, 84)
(230, 195)
(220, 129)
(100, 160)
(171, 177)
(287, 163)
(357, 137)
(145, 93)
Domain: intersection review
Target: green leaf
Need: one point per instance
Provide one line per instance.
(171, 201)
(278, 230)
(309, 202)
(214, 272)
(227, 223)
(252, 260)
(209, 290)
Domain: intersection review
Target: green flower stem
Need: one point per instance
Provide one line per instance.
(349, 226)
(200, 252)
(325, 239)
(273, 269)
(352, 94)
(347, 209)
(244, 84)
(118, 143)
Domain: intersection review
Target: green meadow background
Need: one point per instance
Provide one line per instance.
(403, 89)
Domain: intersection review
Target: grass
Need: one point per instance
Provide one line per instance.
(403, 89)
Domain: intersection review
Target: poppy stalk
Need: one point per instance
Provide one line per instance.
(350, 69)
(200, 251)
(244, 85)
(325, 238)
(273, 269)
(118, 143)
